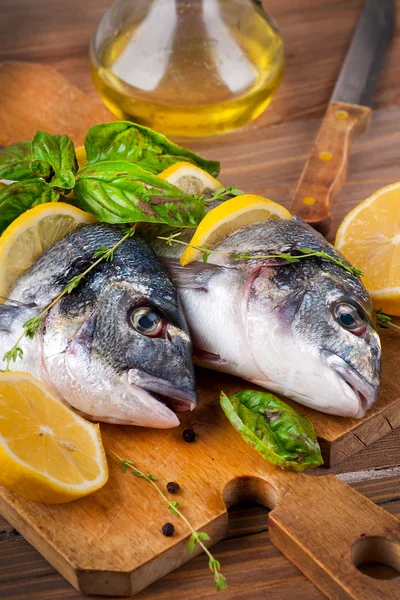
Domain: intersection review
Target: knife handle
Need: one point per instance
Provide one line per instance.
(325, 171)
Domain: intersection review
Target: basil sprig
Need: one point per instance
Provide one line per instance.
(119, 183)
(48, 157)
(15, 162)
(54, 159)
(123, 192)
(18, 197)
(123, 140)
(280, 434)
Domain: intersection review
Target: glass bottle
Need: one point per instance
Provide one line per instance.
(187, 67)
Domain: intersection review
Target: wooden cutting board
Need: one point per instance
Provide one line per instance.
(110, 543)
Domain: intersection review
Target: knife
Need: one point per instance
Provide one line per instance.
(348, 115)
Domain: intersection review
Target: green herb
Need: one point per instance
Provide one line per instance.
(15, 162)
(290, 258)
(338, 261)
(222, 193)
(196, 537)
(48, 157)
(31, 326)
(123, 192)
(123, 140)
(384, 321)
(106, 253)
(58, 153)
(118, 185)
(18, 197)
(273, 428)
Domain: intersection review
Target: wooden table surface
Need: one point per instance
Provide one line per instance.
(316, 33)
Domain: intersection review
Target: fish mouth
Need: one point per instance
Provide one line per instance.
(366, 393)
(178, 399)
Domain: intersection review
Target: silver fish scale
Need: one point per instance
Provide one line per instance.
(133, 262)
(282, 236)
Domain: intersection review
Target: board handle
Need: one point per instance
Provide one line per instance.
(325, 171)
(328, 530)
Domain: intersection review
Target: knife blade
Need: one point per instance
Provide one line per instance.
(348, 115)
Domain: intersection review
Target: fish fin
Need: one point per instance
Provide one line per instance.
(289, 306)
(207, 359)
(194, 276)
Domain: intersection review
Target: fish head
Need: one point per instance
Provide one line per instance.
(118, 347)
(148, 342)
(311, 332)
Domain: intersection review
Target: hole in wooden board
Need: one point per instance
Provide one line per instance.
(247, 518)
(376, 557)
(253, 489)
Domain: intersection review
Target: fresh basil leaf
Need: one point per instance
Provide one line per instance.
(65, 180)
(16, 198)
(41, 168)
(123, 192)
(58, 151)
(123, 140)
(15, 161)
(273, 428)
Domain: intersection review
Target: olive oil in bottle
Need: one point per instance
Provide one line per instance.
(187, 67)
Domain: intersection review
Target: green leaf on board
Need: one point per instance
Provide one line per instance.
(273, 428)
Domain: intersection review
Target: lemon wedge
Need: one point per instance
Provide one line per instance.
(190, 179)
(81, 156)
(48, 453)
(31, 234)
(229, 216)
(369, 237)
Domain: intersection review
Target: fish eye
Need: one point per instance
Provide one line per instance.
(349, 317)
(147, 321)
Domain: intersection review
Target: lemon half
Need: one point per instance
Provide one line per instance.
(229, 216)
(32, 233)
(48, 453)
(190, 179)
(369, 237)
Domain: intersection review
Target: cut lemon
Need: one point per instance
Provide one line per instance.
(81, 156)
(369, 237)
(190, 179)
(48, 453)
(229, 216)
(31, 234)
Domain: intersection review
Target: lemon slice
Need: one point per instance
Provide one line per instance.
(31, 234)
(48, 453)
(81, 156)
(229, 216)
(190, 179)
(369, 237)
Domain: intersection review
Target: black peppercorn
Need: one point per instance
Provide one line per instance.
(173, 487)
(189, 435)
(168, 529)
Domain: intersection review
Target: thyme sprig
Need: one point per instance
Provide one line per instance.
(290, 258)
(220, 194)
(31, 326)
(196, 537)
(384, 321)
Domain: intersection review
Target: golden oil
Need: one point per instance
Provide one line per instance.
(187, 67)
